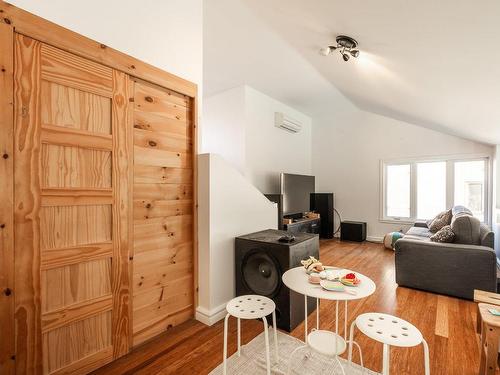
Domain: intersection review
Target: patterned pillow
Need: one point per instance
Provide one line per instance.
(442, 219)
(445, 234)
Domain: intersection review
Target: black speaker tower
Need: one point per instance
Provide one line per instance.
(322, 203)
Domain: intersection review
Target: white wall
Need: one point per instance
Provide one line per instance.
(166, 34)
(270, 150)
(224, 126)
(347, 152)
(229, 206)
(239, 125)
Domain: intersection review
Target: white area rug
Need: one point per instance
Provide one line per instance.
(305, 362)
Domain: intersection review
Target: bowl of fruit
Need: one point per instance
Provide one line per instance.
(350, 279)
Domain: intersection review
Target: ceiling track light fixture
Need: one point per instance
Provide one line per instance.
(345, 45)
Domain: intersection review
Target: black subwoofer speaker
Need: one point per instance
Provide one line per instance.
(261, 260)
(353, 231)
(322, 203)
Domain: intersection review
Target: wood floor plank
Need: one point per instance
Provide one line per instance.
(442, 317)
(193, 348)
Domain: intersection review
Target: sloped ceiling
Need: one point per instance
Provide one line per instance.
(431, 63)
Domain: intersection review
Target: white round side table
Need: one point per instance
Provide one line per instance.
(390, 331)
(322, 341)
(251, 307)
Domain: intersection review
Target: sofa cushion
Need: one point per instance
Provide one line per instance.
(445, 234)
(466, 228)
(419, 232)
(442, 219)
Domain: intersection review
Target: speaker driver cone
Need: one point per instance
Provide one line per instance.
(261, 273)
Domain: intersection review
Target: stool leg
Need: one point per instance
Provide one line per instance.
(239, 337)
(289, 368)
(351, 339)
(266, 336)
(305, 319)
(426, 357)
(275, 336)
(345, 320)
(224, 367)
(386, 360)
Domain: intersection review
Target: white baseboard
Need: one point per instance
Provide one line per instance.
(210, 317)
(375, 239)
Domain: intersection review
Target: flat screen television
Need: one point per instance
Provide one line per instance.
(296, 190)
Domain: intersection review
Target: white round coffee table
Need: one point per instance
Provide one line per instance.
(297, 280)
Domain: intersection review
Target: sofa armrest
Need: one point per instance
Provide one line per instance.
(421, 224)
(446, 268)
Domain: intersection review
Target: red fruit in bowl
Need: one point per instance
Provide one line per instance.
(350, 276)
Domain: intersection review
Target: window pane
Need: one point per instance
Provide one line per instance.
(398, 190)
(470, 186)
(431, 189)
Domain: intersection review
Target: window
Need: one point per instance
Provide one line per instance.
(398, 190)
(469, 186)
(431, 189)
(420, 189)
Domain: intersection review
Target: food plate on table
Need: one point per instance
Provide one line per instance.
(335, 286)
(350, 279)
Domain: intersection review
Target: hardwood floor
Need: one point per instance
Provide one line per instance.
(448, 325)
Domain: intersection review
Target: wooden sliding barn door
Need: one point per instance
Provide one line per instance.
(73, 144)
(163, 286)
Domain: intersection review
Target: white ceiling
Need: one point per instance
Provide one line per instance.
(431, 63)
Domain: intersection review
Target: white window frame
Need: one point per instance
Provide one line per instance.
(450, 184)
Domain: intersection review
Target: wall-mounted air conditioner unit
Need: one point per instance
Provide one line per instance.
(287, 123)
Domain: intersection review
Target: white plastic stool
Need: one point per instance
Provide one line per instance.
(251, 307)
(390, 331)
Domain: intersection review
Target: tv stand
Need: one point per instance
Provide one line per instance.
(304, 225)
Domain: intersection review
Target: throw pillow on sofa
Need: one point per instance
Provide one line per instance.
(466, 228)
(445, 234)
(442, 219)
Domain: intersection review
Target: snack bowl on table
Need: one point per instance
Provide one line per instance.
(314, 278)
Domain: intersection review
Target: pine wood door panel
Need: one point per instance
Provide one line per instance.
(77, 341)
(171, 225)
(160, 141)
(161, 158)
(72, 71)
(163, 210)
(66, 167)
(75, 109)
(27, 205)
(64, 286)
(74, 147)
(147, 174)
(146, 209)
(161, 124)
(69, 226)
(162, 192)
(7, 268)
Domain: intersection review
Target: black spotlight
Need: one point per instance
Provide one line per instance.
(354, 53)
(345, 56)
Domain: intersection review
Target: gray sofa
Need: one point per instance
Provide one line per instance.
(454, 269)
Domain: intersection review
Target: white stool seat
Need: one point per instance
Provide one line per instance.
(323, 342)
(250, 307)
(389, 329)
